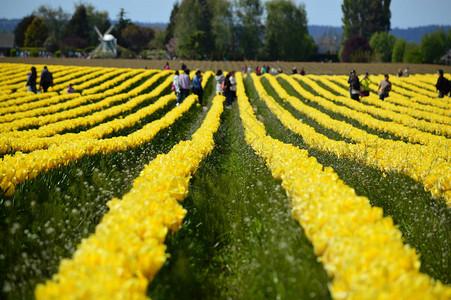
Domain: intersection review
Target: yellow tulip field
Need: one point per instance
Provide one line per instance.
(296, 191)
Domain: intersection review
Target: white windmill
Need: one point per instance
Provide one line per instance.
(108, 43)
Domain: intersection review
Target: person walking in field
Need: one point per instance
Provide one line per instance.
(31, 80)
(219, 79)
(185, 86)
(197, 86)
(384, 88)
(46, 80)
(406, 72)
(227, 92)
(166, 67)
(176, 86)
(354, 86)
(365, 86)
(442, 85)
(233, 85)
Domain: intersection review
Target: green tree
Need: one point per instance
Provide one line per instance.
(21, 28)
(412, 54)
(382, 44)
(122, 23)
(221, 27)
(36, 33)
(286, 31)
(193, 29)
(398, 50)
(433, 46)
(249, 26)
(365, 17)
(137, 37)
(78, 26)
(55, 19)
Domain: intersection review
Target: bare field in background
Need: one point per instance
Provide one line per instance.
(309, 67)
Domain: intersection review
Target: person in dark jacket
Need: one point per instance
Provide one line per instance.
(354, 86)
(46, 80)
(442, 84)
(31, 81)
(197, 86)
(227, 91)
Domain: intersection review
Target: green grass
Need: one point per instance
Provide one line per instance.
(238, 240)
(424, 221)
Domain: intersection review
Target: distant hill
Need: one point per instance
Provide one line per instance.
(411, 34)
(416, 33)
(8, 25)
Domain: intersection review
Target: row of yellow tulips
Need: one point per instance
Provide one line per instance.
(21, 98)
(127, 248)
(409, 83)
(432, 170)
(13, 112)
(60, 84)
(361, 250)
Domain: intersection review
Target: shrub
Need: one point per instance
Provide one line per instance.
(356, 49)
(155, 54)
(412, 54)
(398, 50)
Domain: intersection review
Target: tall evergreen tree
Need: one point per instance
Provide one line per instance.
(286, 31)
(21, 28)
(249, 26)
(122, 23)
(78, 26)
(365, 17)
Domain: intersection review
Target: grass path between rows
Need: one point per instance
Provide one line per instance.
(239, 239)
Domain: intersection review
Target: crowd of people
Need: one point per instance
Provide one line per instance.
(226, 85)
(182, 85)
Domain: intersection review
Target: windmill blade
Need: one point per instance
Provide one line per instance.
(109, 29)
(98, 32)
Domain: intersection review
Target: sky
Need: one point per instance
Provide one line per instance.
(405, 13)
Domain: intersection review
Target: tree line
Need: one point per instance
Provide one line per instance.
(234, 30)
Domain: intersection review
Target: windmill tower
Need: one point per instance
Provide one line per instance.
(108, 43)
